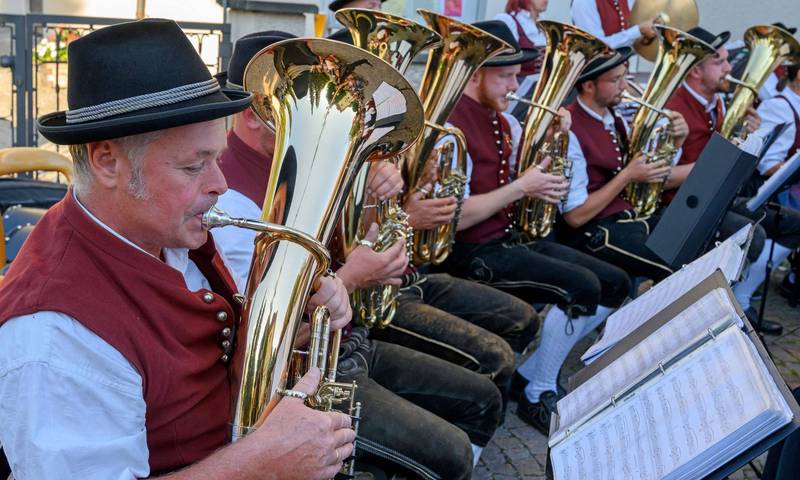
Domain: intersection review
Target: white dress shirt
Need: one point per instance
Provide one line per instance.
(71, 405)
(773, 112)
(586, 16)
(234, 243)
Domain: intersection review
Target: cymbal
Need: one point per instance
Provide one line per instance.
(680, 14)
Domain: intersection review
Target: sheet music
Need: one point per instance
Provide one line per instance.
(774, 182)
(704, 410)
(729, 257)
(710, 311)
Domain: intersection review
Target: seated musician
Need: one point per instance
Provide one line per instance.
(609, 20)
(699, 102)
(116, 314)
(406, 428)
(605, 225)
(585, 290)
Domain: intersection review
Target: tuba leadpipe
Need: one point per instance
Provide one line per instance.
(630, 98)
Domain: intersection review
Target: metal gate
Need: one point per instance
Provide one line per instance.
(33, 65)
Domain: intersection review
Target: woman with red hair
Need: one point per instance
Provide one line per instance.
(521, 17)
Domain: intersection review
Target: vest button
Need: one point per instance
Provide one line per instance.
(208, 297)
(226, 332)
(222, 315)
(497, 132)
(497, 142)
(226, 344)
(224, 358)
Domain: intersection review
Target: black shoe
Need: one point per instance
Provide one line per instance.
(518, 384)
(787, 287)
(538, 414)
(768, 327)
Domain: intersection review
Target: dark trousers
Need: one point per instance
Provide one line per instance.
(471, 325)
(542, 272)
(418, 411)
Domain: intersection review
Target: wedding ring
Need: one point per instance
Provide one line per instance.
(292, 393)
(366, 243)
(338, 455)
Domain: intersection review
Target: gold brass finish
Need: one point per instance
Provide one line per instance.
(568, 51)
(679, 14)
(769, 47)
(463, 50)
(334, 107)
(678, 53)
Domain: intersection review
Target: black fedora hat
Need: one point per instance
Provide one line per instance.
(245, 49)
(338, 4)
(136, 77)
(602, 64)
(500, 30)
(791, 30)
(342, 35)
(716, 41)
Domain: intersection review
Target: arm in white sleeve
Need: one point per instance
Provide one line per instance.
(234, 243)
(773, 112)
(71, 406)
(579, 185)
(585, 16)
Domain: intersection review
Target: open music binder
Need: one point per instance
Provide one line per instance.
(689, 394)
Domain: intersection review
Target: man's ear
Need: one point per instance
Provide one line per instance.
(251, 120)
(106, 163)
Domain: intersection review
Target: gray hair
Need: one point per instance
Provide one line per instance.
(134, 147)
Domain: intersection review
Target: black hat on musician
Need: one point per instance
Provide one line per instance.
(133, 78)
(339, 4)
(342, 35)
(244, 50)
(716, 41)
(501, 31)
(602, 64)
(791, 30)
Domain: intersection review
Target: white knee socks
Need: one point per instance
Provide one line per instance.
(757, 273)
(476, 454)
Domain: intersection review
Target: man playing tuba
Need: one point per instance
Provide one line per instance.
(118, 313)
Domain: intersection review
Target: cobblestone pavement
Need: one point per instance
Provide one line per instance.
(517, 451)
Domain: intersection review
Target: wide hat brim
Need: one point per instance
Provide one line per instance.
(522, 56)
(222, 103)
(603, 64)
(338, 4)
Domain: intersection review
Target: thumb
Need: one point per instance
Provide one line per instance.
(372, 233)
(309, 383)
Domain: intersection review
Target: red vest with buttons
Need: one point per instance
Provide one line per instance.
(614, 15)
(530, 67)
(603, 152)
(140, 306)
(489, 145)
(701, 126)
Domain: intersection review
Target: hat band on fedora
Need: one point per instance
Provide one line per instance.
(507, 58)
(142, 102)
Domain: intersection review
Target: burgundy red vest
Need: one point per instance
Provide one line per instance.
(614, 15)
(140, 306)
(246, 170)
(489, 145)
(796, 145)
(701, 127)
(530, 67)
(604, 153)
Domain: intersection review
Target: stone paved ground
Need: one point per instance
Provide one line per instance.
(517, 451)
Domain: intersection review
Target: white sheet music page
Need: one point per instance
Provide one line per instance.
(711, 310)
(703, 411)
(728, 256)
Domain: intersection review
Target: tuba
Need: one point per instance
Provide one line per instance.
(769, 47)
(334, 107)
(678, 52)
(397, 41)
(569, 49)
(450, 65)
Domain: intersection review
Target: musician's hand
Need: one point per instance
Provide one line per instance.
(535, 183)
(647, 29)
(752, 120)
(678, 128)
(333, 294)
(297, 442)
(426, 213)
(430, 174)
(641, 171)
(384, 180)
(365, 268)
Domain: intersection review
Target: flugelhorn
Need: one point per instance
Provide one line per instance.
(769, 47)
(463, 50)
(678, 52)
(397, 41)
(568, 51)
(334, 107)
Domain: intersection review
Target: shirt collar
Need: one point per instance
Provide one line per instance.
(607, 118)
(708, 105)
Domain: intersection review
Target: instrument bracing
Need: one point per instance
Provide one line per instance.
(397, 41)
(769, 47)
(678, 52)
(568, 51)
(334, 107)
(463, 50)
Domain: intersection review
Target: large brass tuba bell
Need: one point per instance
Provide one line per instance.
(334, 107)
(769, 46)
(678, 52)
(569, 49)
(396, 40)
(463, 50)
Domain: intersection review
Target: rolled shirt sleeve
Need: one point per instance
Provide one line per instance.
(585, 16)
(579, 185)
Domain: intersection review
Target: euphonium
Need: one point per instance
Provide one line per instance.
(569, 49)
(769, 47)
(678, 52)
(397, 41)
(334, 107)
(463, 50)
